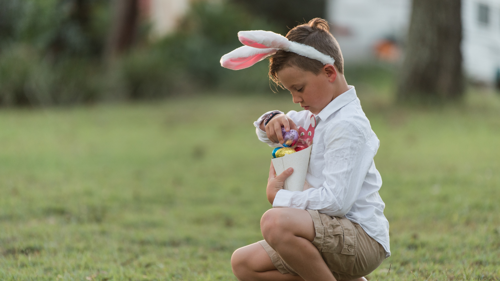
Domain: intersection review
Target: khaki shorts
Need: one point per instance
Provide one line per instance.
(346, 248)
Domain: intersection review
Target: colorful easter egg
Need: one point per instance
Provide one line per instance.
(290, 138)
(282, 151)
(301, 146)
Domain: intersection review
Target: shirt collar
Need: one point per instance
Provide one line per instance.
(337, 103)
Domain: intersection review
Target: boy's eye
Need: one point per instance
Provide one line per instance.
(300, 90)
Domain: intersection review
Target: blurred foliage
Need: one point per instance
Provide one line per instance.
(188, 60)
(52, 53)
(285, 14)
(60, 27)
(28, 79)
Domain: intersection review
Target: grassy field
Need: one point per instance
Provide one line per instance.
(168, 191)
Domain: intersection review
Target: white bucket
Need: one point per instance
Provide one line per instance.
(299, 161)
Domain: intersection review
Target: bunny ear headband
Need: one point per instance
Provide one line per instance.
(262, 44)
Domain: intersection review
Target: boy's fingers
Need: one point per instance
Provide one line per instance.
(272, 171)
(270, 133)
(289, 124)
(277, 131)
(286, 173)
(273, 129)
(286, 125)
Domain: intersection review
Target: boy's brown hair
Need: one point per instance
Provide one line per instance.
(315, 33)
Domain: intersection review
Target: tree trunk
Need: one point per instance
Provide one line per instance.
(432, 69)
(124, 26)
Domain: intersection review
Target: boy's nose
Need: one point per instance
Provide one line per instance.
(296, 99)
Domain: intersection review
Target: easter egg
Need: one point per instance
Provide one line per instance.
(282, 151)
(290, 138)
(300, 146)
(274, 151)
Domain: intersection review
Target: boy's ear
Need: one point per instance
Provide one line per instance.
(331, 72)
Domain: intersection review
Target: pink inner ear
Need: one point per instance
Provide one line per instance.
(241, 63)
(251, 43)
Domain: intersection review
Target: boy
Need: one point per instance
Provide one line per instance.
(335, 230)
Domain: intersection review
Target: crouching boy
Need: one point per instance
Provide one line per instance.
(336, 229)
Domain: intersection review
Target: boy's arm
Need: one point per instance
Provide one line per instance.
(271, 134)
(348, 157)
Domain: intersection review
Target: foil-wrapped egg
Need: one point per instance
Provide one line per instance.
(290, 138)
(300, 147)
(282, 151)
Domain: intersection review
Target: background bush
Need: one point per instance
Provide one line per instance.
(52, 53)
(189, 60)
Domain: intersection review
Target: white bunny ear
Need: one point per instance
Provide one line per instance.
(260, 44)
(263, 39)
(245, 56)
(268, 39)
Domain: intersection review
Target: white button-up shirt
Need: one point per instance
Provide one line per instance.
(341, 169)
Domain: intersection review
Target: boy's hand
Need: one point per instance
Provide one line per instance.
(275, 183)
(273, 128)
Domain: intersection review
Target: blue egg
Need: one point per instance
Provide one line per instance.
(274, 151)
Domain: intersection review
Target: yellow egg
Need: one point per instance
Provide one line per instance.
(284, 151)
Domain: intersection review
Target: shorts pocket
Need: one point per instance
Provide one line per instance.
(349, 247)
(336, 240)
(348, 250)
(339, 246)
(333, 234)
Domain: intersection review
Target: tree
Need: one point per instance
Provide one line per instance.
(286, 14)
(432, 69)
(124, 26)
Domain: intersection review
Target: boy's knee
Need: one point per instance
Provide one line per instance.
(239, 263)
(274, 226)
(237, 259)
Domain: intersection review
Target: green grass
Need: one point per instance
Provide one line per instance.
(168, 191)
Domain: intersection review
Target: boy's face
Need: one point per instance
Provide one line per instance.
(313, 92)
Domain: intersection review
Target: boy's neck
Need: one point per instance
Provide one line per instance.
(341, 86)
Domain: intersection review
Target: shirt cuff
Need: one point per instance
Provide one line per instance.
(261, 134)
(283, 198)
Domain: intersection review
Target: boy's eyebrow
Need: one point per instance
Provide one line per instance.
(291, 86)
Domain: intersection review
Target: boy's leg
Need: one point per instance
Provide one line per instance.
(290, 232)
(253, 263)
